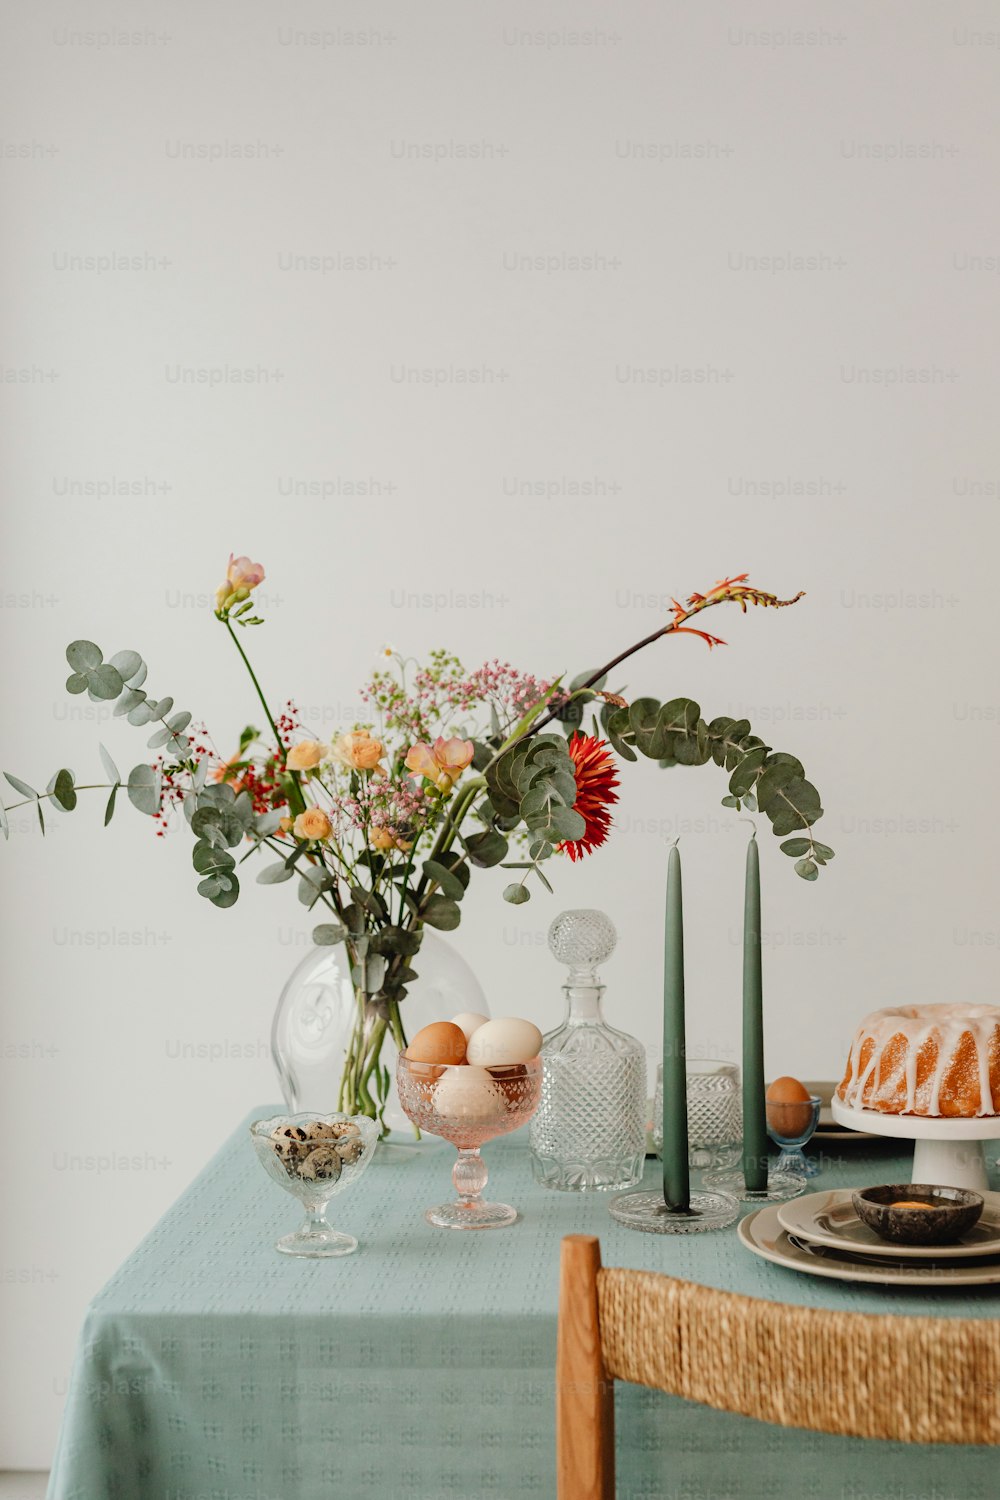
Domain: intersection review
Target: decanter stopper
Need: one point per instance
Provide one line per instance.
(582, 940)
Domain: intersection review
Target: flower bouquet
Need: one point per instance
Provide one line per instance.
(455, 771)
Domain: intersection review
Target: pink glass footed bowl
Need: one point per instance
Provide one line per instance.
(469, 1106)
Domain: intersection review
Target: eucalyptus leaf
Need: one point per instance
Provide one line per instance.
(84, 656)
(393, 939)
(747, 771)
(131, 698)
(440, 912)
(64, 791)
(806, 869)
(159, 738)
(449, 882)
(565, 825)
(21, 786)
(104, 682)
(274, 874)
(210, 861)
(76, 682)
(228, 894)
(375, 973)
(204, 819)
(620, 733)
(109, 811)
(126, 664)
(516, 894)
(144, 789)
(795, 848)
(486, 849)
(179, 721)
(141, 714)
(327, 934)
(111, 770)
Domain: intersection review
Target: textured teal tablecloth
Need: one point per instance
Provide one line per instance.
(421, 1368)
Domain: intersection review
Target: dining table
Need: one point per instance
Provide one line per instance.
(422, 1367)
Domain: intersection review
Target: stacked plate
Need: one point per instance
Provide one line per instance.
(822, 1235)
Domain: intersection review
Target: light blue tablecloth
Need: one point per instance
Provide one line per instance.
(212, 1368)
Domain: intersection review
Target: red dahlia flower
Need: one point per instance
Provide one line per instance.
(596, 779)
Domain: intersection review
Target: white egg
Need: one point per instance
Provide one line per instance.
(469, 1021)
(468, 1094)
(500, 1044)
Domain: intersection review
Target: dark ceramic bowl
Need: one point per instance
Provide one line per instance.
(943, 1214)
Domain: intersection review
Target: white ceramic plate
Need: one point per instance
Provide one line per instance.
(763, 1235)
(830, 1218)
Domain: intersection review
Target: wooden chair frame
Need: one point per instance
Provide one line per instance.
(839, 1372)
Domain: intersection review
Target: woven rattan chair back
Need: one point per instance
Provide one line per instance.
(914, 1380)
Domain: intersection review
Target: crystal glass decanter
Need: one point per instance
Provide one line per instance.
(589, 1132)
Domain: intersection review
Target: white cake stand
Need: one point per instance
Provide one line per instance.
(946, 1153)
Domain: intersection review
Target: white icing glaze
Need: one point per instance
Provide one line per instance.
(946, 1024)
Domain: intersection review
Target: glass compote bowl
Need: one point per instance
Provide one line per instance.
(469, 1106)
(790, 1126)
(314, 1157)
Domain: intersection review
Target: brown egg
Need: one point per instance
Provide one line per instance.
(441, 1042)
(788, 1107)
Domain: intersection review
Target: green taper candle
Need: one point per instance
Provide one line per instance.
(676, 1182)
(754, 1119)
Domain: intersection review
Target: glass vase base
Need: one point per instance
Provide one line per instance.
(648, 1213)
(471, 1215)
(317, 1244)
(780, 1186)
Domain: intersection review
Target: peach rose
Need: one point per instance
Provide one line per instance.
(305, 755)
(312, 824)
(443, 762)
(357, 750)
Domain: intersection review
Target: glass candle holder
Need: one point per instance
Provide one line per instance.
(715, 1117)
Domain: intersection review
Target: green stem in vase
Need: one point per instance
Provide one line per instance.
(296, 801)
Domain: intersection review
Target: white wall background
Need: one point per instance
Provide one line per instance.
(545, 514)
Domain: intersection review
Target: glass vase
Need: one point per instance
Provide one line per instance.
(319, 1010)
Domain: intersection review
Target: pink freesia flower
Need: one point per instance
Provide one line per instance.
(240, 574)
(443, 762)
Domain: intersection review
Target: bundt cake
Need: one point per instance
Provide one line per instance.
(926, 1060)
